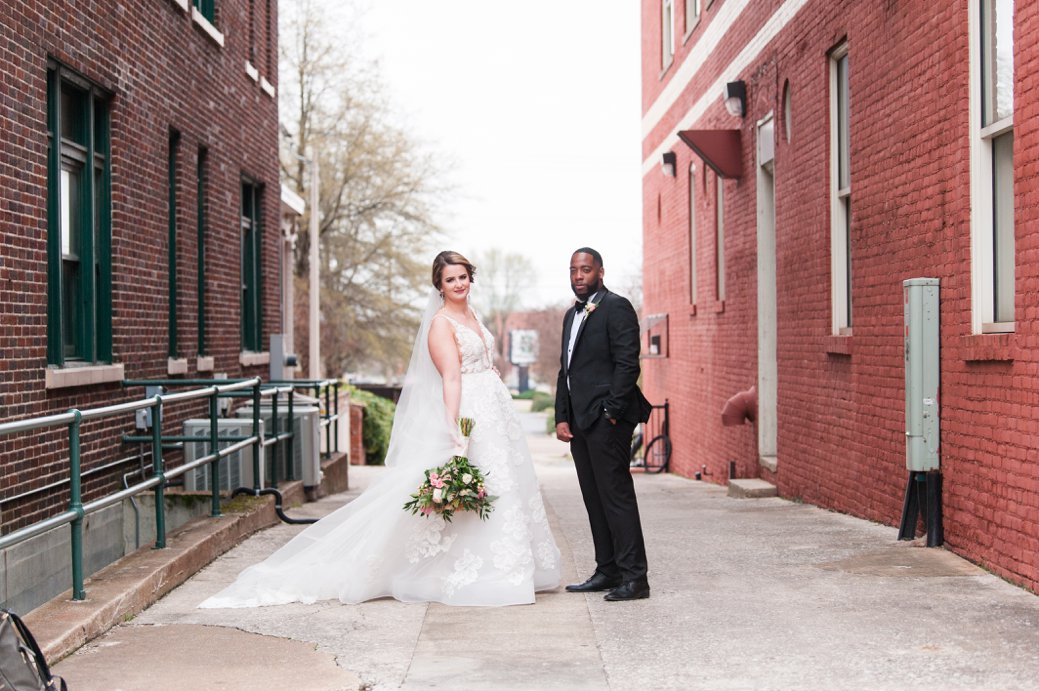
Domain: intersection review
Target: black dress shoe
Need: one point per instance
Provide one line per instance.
(594, 584)
(637, 589)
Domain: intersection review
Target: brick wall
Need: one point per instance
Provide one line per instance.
(164, 73)
(841, 399)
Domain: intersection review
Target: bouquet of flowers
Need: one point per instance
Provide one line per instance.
(454, 486)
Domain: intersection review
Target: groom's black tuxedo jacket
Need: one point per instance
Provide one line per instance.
(604, 369)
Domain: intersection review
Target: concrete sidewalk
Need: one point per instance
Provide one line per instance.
(747, 594)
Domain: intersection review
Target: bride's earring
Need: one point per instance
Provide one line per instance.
(441, 296)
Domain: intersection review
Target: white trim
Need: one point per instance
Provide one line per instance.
(176, 365)
(839, 249)
(997, 128)
(254, 74)
(982, 280)
(247, 359)
(692, 235)
(85, 375)
(692, 63)
(767, 306)
(205, 363)
(206, 26)
(727, 14)
(182, 4)
(267, 87)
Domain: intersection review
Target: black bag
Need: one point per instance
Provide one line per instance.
(22, 665)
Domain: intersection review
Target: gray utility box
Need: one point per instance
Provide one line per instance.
(922, 373)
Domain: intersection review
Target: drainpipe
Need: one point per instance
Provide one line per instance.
(741, 407)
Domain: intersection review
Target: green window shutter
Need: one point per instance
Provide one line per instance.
(78, 221)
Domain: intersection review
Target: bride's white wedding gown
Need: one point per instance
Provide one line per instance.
(372, 548)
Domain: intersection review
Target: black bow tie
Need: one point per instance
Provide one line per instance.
(580, 305)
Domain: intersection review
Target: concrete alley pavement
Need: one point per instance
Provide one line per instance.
(747, 594)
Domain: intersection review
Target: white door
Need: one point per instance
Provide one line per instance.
(767, 367)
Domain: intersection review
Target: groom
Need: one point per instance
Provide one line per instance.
(598, 404)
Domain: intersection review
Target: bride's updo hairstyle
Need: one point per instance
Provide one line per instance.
(448, 258)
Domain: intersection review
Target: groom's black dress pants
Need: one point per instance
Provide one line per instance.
(601, 456)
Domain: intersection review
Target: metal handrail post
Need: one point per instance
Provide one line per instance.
(336, 423)
(160, 489)
(76, 505)
(276, 451)
(328, 428)
(291, 451)
(256, 433)
(214, 466)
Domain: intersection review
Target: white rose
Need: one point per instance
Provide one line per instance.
(438, 495)
(467, 478)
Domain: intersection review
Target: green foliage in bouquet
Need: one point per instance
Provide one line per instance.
(455, 486)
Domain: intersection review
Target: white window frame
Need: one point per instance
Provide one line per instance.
(667, 34)
(719, 239)
(840, 205)
(692, 234)
(983, 173)
(693, 11)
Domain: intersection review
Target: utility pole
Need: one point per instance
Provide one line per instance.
(315, 271)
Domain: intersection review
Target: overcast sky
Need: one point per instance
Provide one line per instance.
(536, 106)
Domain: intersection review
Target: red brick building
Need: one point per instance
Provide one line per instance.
(866, 144)
(139, 207)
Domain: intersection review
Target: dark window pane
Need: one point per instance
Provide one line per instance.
(73, 118)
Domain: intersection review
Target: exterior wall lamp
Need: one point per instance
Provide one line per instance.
(736, 98)
(667, 163)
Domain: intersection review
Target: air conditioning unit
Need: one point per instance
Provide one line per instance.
(306, 458)
(234, 470)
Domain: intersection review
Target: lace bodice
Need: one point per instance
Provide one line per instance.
(474, 349)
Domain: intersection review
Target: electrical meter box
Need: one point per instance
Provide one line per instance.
(920, 296)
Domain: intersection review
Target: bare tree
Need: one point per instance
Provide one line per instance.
(502, 279)
(378, 194)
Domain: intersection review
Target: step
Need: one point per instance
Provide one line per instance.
(752, 488)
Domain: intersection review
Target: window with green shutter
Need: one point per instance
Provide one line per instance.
(252, 293)
(207, 8)
(79, 279)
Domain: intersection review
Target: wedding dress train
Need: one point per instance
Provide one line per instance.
(372, 548)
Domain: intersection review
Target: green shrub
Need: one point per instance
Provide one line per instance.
(541, 401)
(376, 426)
(525, 396)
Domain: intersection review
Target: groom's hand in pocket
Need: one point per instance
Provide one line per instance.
(563, 432)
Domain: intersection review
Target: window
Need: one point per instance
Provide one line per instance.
(667, 33)
(252, 302)
(993, 254)
(79, 271)
(201, 231)
(207, 8)
(655, 327)
(692, 235)
(719, 245)
(840, 191)
(172, 242)
(692, 14)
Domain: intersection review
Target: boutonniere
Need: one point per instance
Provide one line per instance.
(590, 307)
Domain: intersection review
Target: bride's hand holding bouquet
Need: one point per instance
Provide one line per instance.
(455, 486)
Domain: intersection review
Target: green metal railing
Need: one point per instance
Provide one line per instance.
(330, 416)
(160, 477)
(77, 511)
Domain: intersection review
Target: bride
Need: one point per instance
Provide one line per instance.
(372, 547)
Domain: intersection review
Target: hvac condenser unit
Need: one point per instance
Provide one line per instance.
(234, 470)
(306, 458)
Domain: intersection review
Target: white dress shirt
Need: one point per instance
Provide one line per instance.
(575, 328)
